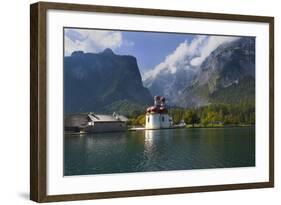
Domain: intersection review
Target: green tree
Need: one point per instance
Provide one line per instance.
(140, 120)
(211, 118)
(177, 114)
(190, 117)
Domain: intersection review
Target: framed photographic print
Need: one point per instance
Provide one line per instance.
(134, 102)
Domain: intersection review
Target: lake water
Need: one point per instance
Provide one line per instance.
(159, 150)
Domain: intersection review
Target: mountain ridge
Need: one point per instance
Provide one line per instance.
(93, 81)
(225, 66)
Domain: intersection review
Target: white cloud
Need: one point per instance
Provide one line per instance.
(211, 44)
(177, 59)
(188, 55)
(91, 40)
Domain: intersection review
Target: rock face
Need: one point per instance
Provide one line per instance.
(227, 75)
(102, 82)
(172, 84)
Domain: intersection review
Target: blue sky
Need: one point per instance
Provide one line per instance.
(151, 48)
(155, 52)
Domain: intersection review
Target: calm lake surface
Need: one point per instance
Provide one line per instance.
(159, 150)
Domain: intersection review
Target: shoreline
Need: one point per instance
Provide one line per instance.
(186, 127)
(191, 127)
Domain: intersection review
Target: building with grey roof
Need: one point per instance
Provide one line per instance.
(94, 123)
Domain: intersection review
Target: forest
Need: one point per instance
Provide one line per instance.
(213, 115)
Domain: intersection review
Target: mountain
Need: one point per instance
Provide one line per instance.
(171, 85)
(103, 82)
(226, 75)
(169, 79)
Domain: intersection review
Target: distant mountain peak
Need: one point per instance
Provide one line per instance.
(77, 53)
(108, 51)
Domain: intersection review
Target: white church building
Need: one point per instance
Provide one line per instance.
(157, 116)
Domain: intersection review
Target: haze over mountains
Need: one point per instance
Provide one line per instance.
(189, 84)
(106, 82)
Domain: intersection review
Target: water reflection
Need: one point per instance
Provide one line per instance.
(148, 141)
(156, 150)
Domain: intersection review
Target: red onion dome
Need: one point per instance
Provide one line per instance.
(152, 109)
